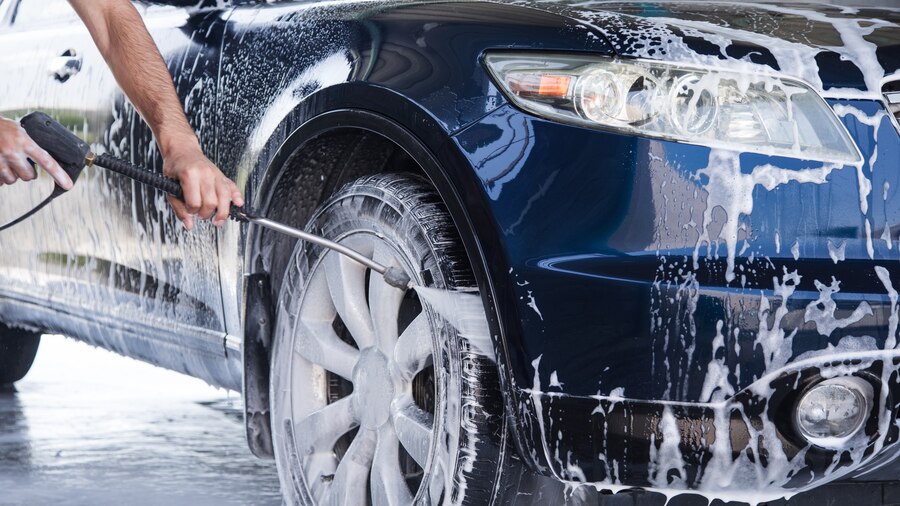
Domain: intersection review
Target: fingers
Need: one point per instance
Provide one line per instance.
(225, 189)
(49, 165)
(210, 199)
(182, 212)
(6, 174)
(16, 147)
(190, 186)
(20, 166)
(208, 194)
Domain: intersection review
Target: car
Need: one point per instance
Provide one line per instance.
(656, 241)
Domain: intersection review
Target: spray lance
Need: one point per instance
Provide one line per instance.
(73, 155)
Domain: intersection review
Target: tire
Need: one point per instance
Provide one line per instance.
(428, 411)
(17, 351)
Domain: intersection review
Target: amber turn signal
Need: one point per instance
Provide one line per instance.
(538, 85)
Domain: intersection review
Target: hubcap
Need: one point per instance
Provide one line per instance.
(376, 389)
(373, 443)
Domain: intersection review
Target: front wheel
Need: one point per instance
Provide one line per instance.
(17, 351)
(376, 399)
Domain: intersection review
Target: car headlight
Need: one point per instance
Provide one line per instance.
(708, 106)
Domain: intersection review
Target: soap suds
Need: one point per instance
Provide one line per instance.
(730, 189)
(821, 311)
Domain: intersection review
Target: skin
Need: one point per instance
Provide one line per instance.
(123, 40)
(16, 147)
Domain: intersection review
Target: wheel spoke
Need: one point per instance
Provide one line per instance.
(384, 301)
(414, 427)
(347, 282)
(320, 430)
(319, 343)
(350, 479)
(414, 347)
(388, 484)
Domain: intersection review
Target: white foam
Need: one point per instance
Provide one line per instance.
(731, 190)
(533, 305)
(821, 311)
(665, 457)
(837, 252)
(772, 340)
(716, 384)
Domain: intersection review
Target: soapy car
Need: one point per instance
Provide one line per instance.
(679, 223)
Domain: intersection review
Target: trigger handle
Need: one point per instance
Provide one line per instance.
(65, 147)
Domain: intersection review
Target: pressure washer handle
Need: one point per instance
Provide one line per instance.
(73, 154)
(158, 181)
(65, 147)
(141, 175)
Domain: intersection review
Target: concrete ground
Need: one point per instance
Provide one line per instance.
(88, 427)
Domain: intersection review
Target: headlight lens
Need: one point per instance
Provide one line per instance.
(716, 108)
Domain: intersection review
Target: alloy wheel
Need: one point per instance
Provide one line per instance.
(364, 387)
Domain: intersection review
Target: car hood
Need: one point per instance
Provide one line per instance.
(840, 51)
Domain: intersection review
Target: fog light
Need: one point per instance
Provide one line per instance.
(831, 412)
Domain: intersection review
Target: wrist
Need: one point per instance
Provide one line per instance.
(180, 148)
(179, 142)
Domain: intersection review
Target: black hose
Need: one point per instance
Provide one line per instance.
(56, 193)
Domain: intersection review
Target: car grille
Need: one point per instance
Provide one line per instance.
(892, 97)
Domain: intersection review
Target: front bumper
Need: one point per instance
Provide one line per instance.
(621, 328)
(729, 448)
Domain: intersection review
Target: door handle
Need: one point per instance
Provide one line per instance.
(65, 65)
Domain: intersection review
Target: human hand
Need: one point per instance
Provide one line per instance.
(207, 192)
(16, 147)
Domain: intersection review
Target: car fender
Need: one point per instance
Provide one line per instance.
(413, 129)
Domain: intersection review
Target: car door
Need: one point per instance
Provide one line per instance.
(36, 35)
(110, 250)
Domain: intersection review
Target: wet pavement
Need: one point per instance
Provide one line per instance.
(88, 427)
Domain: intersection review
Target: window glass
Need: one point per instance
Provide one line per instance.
(33, 13)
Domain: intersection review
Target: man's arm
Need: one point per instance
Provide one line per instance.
(131, 54)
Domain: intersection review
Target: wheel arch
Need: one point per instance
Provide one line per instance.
(385, 132)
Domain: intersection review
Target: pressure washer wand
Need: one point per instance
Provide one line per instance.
(73, 155)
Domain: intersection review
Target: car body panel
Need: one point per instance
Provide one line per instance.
(659, 328)
(665, 324)
(636, 197)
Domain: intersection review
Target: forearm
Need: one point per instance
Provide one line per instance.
(125, 44)
(127, 47)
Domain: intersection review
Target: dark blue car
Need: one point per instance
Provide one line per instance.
(662, 240)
